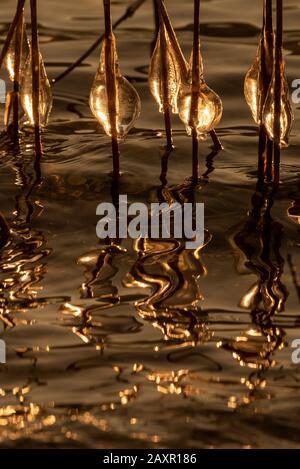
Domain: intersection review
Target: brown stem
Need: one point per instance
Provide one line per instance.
(111, 86)
(156, 17)
(164, 168)
(195, 86)
(165, 85)
(215, 139)
(11, 30)
(173, 39)
(262, 143)
(35, 57)
(17, 64)
(278, 89)
(130, 11)
(269, 160)
(195, 165)
(265, 153)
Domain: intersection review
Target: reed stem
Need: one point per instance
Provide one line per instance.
(278, 89)
(111, 87)
(265, 153)
(195, 87)
(156, 17)
(195, 165)
(173, 39)
(11, 30)
(216, 141)
(165, 85)
(17, 64)
(35, 56)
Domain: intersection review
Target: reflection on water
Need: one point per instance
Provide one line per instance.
(144, 343)
(172, 274)
(256, 244)
(24, 251)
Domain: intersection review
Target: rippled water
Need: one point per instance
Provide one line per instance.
(146, 344)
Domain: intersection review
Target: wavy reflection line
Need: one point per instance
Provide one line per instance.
(172, 273)
(256, 244)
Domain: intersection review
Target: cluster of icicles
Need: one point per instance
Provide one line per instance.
(171, 84)
(45, 102)
(168, 72)
(262, 105)
(170, 81)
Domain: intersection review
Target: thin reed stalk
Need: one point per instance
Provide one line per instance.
(20, 7)
(265, 153)
(35, 56)
(17, 64)
(165, 86)
(111, 87)
(195, 88)
(278, 89)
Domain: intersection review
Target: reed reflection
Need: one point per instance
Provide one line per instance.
(24, 249)
(99, 292)
(256, 243)
(23, 254)
(172, 273)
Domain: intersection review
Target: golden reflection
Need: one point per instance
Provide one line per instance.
(89, 319)
(172, 274)
(256, 244)
(22, 256)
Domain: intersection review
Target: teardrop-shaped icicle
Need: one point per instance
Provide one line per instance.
(45, 92)
(286, 113)
(9, 60)
(164, 66)
(128, 103)
(253, 87)
(209, 111)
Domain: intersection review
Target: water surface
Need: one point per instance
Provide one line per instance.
(147, 344)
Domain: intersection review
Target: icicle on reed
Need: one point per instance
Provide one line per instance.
(277, 113)
(113, 100)
(168, 69)
(13, 57)
(258, 77)
(9, 59)
(36, 94)
(45, 93)
(280, 135)
(262, 102)
(200, 108)
(256, 86)
(17, 56)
